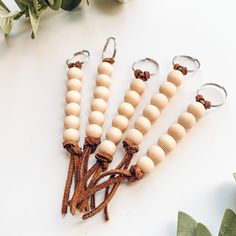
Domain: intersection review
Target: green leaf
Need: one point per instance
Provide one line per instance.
(34, 20)
(51, 2)
(56, 5)
(187, 226)
(6, 19)
(202, 230)
(228, 225)
(234, 175)
(2, 4)
(69, 5)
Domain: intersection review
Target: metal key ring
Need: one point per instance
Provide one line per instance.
(76, 54)
(150, 60)
(109, 40)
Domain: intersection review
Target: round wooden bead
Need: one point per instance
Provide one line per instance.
(72, 122)
(197, 109)
(114, 134)
(72, 109)
(168, 89)
(103, 80)
(145, 164)
(75, 73)
(176, 77)
(126, 109)
(135, 136)
(177, 131)
(138, 85)
(99, 104)
(71, 135)
(74, 84)
(96, 117)
(94, 131)
(143, 124)
(132, 97)
(107, 147)
(101, 92)
(159, 100)
(167, 142)
(156, 153)
(187, 120)
(120, 122)
(73, 96)
(105, 68)
(151, 112)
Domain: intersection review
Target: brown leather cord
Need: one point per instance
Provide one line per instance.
(182, 69)
(143, 75)
(75, 64)
(206, 104)
(109, 60)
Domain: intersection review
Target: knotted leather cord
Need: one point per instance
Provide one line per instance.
(206, 104)
(182, 69)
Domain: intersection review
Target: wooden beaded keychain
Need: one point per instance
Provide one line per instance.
(165, 144)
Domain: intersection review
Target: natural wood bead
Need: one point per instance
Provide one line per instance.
(72, 109)
(197, 109)
(74, 84)
(75, 73)
(120, 122)
(145, 164)
(168, 89)
(103, 80)
(138, 85)
(126, 109)
(73, 96)
(167, 142)
(132, 97)
(176, 77)
(151, 112)
(177, 131)
(135, 136)
(114, 134)
(72, 122)
(107, 147)
(71, 135)
(143, 124)
(159, 100)
(99, 104)
(101, 92)
(187, 120)
(105, 68)
(156, 153)
(96, 117)
(94, 131)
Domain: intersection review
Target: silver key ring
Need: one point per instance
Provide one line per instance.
(149, 60)
(104, 51)
(191, 59)
(84, 53)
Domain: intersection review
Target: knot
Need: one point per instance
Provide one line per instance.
(92, 143)
(104, 160)
(75, 64)
(206, 104)
(109, 60)
(143, 75)
(136, 174)
(72, 148)
(130, 147)
(182, 69)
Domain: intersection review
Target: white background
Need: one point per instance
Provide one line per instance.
(196, 177)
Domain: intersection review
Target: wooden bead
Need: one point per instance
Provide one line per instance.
(176, 77)
(168, 89)
(145, 164)
(71, 135)
(159, 100)
(143, 124)
(107, 147)
(132, 97)
(73, 96)
(94, 131)
(74, 84)
(75, 73)
(151, 112)
(167, 142)
(138, 85)
(135, 136)
(101, 92)
(105, 68)
(156, 153)
(96, 117)
(177, 131)
(126, 109)
(197, 109)
(114, 134)
(103, 80)
(72, 122)
(187, 120)
(99, 104)
(72, 109)
(120, 122)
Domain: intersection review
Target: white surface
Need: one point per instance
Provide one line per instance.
(196, 177)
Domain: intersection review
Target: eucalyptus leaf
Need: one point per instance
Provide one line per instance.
(187, 226)
(6, 20)
(26, 2)
(2, 4)
(56, 5)
(51, 2)
(69, 5)
(235, 175)
(228, 225)
(202, 230)
(34, 20)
